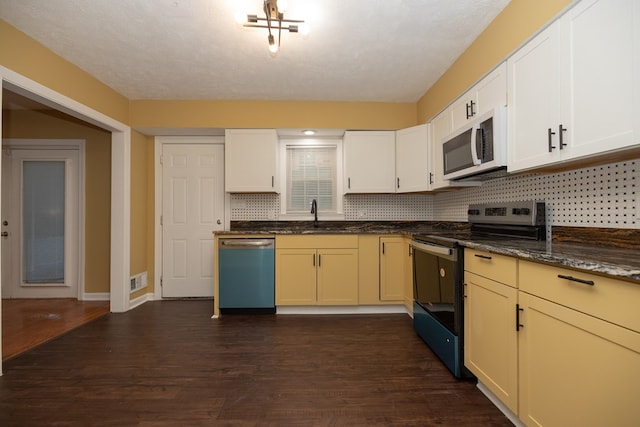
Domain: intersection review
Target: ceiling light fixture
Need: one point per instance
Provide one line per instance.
(309, 132)
(274, 21)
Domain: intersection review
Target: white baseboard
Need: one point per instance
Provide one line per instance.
(501, 406)
(96, 296)
(349, 309)
(136, 302)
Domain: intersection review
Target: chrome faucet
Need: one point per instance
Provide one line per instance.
(314, 211)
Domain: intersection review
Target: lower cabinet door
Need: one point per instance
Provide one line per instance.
(575, 369)
(296, 276)
(338, 276)
(393, 270)
(491, 340)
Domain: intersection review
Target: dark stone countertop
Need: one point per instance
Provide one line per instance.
(618, 262)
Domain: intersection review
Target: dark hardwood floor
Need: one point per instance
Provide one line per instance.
(168, 363)
(27, 323)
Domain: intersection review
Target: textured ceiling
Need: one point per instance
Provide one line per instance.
(358, 50)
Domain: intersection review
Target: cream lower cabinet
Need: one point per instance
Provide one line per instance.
(491, 340)
(316, 270)
(385, 273)
(393, 268)
(579, 348)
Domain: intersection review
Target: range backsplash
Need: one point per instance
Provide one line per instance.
(603, 196)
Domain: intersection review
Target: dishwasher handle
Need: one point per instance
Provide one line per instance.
(247, 243)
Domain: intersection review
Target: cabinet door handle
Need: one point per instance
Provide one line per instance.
(561, 132)
(575, 279)
(349, 183)
(314, 260)
(518, 324)
(467, 108)
(398, 182)
(319, 260)
(410, 250)
(482, 256)
(430, 178)
(382, 248)
(273, 181)
(471, 104)
(550, 134)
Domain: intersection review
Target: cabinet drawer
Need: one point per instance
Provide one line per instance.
(496, 267)
(321, 241)
(609, 299)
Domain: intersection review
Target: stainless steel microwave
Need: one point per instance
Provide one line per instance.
(478, 147)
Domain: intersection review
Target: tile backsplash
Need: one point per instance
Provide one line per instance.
(600, 196)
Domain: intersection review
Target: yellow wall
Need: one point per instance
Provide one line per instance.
(33, 124)
(138, 202)
(517, 22)
(24, 55)
(271, 114)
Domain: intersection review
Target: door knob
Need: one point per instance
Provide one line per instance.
(4, 234)
(219, 222)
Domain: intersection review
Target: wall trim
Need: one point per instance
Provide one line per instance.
(137, 302)
(349, 309)
(96, 296)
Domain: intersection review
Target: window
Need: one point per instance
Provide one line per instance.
(311, 172)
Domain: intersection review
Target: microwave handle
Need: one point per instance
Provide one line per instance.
(474, 149)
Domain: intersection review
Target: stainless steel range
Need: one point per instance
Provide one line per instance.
(438, 315)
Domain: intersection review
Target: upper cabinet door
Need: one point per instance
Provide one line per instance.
(574, 89)
(488, 93)
(534, 101)
(412, 159)
(369, 162)
(251, 161)
(600, 42)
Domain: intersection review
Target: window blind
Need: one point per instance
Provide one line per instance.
(311, 174)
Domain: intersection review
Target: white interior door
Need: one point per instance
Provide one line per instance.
(40, 217)
(192, 208)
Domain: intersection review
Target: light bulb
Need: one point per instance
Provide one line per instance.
(282, 5)
(304, 28)
(273, 47)
(240, 17)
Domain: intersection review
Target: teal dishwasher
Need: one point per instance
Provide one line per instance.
(247, 275)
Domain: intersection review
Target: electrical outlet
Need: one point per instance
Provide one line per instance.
(362, 213)
(132, 286)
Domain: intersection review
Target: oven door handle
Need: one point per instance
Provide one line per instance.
(432, 249)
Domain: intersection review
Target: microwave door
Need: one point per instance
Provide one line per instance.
(457, 153)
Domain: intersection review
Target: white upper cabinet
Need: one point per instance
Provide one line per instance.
(488, 93)
(574, 89)
(369, 162)
(440, 128)
(413, 159)
(251, 161)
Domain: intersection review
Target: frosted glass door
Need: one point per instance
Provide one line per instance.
(43, 215)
